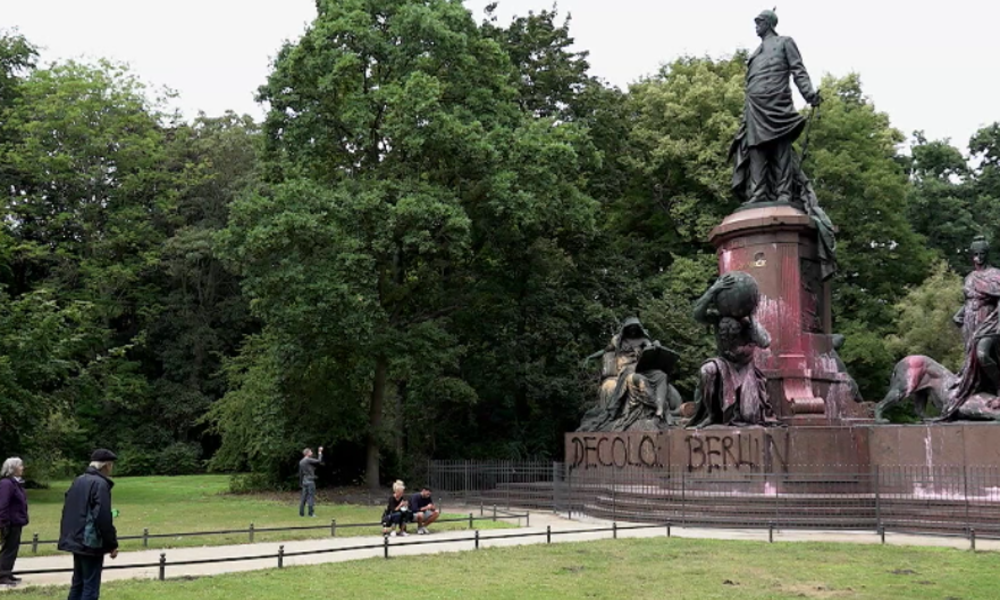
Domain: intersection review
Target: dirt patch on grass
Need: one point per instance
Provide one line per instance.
(813, 590)
(341, 495)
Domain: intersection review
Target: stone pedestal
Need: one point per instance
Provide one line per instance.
(777, 244)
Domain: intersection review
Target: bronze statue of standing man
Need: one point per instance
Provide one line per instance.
(765, 165)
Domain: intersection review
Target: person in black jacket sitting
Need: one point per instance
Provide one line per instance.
(397, 511)
(87, 530)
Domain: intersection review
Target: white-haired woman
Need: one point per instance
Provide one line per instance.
(13, 517)
(397, 511)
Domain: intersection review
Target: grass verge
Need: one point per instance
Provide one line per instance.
(199, 503)
(634, 569)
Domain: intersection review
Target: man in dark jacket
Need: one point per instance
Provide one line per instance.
(307, 479)
(87, 530)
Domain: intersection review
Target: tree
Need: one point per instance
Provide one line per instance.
(941, 202)
(859, 180)
(398, 155)
(90, 203)
(925, 322)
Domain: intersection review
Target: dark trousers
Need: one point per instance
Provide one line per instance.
(10, 538)
(308, 497)
(86, 577)
(771, 172)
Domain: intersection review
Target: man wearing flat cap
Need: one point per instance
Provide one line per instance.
(765, 165)
(87, 529)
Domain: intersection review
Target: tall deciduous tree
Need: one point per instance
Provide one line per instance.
(398, 156)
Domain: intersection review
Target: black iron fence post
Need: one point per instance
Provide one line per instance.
(683, 498)
(34, 544)
(548, 534)
(466, 483)
(385, 546)
(333, 527)
(555, 483)
(163, 566)
(145, 537)
(614, 530)
(569, 493)
(509, 476)
(281, 556)
(250, 533)
(878, 502)
(614, 495)
(965, 481)
(477, 539)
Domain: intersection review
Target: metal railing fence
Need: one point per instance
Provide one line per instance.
(940, 500)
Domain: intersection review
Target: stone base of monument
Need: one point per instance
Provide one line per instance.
(777, 245)
(933, 477)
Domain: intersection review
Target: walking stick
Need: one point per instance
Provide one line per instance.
(805, 142)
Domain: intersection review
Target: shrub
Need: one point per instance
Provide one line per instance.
(179, 459)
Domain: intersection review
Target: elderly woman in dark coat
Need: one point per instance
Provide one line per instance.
(13, 517)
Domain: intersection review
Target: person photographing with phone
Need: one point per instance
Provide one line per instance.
(307, 479)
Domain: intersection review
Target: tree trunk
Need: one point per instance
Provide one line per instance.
(375, 424)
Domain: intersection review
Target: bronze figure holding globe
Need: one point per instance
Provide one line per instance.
(732, 390)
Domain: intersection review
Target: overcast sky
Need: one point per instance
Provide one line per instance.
(931, 66)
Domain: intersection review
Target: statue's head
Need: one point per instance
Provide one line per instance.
(632, 329)
(980, 251)
(766, 21)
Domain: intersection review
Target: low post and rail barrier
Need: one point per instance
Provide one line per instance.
(252, 530)
(385, 546)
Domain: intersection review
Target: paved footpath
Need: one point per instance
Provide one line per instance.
(447, 541)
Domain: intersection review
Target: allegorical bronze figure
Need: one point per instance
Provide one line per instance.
(972, 393)
(731, 389)
(635, 391)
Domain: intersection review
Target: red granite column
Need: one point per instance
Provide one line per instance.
(777, 245)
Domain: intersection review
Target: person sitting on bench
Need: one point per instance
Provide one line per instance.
(397, 511)
(424, 509)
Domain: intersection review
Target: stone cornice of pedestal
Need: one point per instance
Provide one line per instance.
(769, 218)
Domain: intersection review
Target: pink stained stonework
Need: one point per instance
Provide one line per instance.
(777, 245)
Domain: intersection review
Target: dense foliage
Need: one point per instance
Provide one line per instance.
(409, 258)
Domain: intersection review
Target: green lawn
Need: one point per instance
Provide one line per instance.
(634, 569)
(199, 503)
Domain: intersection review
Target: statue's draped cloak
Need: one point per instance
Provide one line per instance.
(770, 113)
